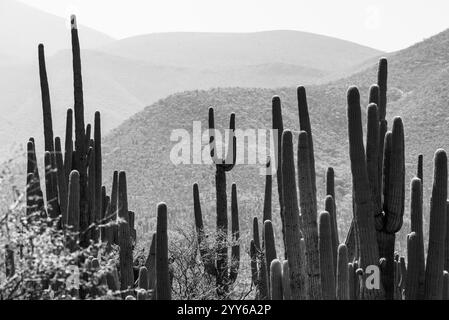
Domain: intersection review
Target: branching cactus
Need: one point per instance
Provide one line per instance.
(363, 200)
(298, 284)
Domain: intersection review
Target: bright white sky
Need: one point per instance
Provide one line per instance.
(383, 24)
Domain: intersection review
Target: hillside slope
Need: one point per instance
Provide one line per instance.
(418, 82)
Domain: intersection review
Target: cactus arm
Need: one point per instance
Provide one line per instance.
(163, 286)
(342, 281)
(326, 258)
(235, 251)
(276, 292)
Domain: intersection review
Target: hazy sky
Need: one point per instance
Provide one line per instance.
(383, 24)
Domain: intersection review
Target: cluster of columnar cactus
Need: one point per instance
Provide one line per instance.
(315, 264)
(77, 201)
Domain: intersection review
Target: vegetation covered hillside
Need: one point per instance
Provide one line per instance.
(417, 78)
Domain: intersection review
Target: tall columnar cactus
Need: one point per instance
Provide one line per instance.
(143, 278)
(389, 221)
(50, 181)
(124, 236)
(98, 167)
(326, 259)
(68, 147)
(363, 201)
(308, 207)
(433, 286)
(163, 286)
(114, 202)
(81, 146)
(304, 125)
(150, 263)
(269, 247)
(34, 195)
(330, 208)
(330, 201)
(286, 280)
(73, 207)
(342, 279)
(222, 166)
(415, 244)
(291, 216)
(258, 264)
(278, 125)
(276, 292)
(91, 196)
(213, 262)
(267, 215)
(62, 182)
(46, 105)
(235, 250)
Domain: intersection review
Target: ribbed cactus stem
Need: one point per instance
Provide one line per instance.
(270, 247)
(92, 200)
(62, 182)
(342, 288)
(34, 195)
(416, 258)
(445, 285)
(73, 207)
(9, 262)
(278, 126)
(163, 286)
(143, 278)
(372, 157)
(68, 147)
(207, 258)
(51, 190)
(150, 263)
(286, 280)
(309, 216)
(276, 292)
(267, 195)
(98, 207)
(292, 226)
(382, 77)
(114, 202)
(352, 282)
(46, 105)
(304, 125)
(330, 207)
(433, 286)
(364, 204)
(124, 236)
(235, 250)
(330, 191)
(326, 258)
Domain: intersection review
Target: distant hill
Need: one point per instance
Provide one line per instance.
(206, 50)
(418, 82)
(23, 27)
(121, 77)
